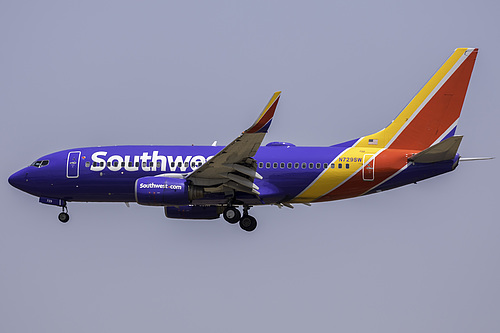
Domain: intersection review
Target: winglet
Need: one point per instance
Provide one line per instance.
(262, 123)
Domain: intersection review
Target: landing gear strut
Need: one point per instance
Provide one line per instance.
(247, 222)
(64, 216)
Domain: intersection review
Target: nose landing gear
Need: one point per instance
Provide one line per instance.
(64, 216)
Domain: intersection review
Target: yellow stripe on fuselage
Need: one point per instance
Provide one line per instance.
(332, 178)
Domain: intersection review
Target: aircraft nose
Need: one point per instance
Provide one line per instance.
(18, 179)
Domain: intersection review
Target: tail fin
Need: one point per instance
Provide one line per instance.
(432, 115)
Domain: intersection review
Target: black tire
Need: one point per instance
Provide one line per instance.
(63, 217)
(248, 223)
(231, 215)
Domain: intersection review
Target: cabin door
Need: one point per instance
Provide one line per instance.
(368, 167)
(73, 166)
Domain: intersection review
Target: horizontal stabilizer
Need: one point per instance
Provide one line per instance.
(445, 150)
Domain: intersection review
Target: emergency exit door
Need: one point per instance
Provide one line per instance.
(369, 167)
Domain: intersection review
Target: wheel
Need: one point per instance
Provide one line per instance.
(248, 223)
(63, 217)
(231, 214)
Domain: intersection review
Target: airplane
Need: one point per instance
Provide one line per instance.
(203, 182)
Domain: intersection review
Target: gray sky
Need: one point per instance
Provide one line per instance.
(423, 258)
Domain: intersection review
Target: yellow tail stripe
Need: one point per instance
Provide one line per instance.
(384, 136)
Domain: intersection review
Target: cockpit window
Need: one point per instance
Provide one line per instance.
(39, 164)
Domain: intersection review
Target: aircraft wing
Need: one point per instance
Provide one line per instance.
(234, 168)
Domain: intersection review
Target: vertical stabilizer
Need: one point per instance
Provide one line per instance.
(432, 115)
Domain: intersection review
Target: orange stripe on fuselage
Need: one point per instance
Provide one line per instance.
(387, 163)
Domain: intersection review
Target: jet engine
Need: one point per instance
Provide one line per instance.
(164, 191)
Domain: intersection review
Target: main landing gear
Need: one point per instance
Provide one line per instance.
(64, 216)
(232, 215)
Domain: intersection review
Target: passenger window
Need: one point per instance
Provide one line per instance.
(136, 164)
(347, 165)
(94, 164)
(123, 164)
(186, 164)
(109, 164)
(87, 164)
(332, 165)
(158, 164)
(261, 165)
(151, 164)
(311, 165)
(102, 164)
(296, 165)
(143, 164)
(282, 165)
(304, 165)
(325, 165)
(275, 165)
(340, 165)
(115, 163)
(130, 164)
(318, 165)
(268, 165)
(172, 164)
(289, 165)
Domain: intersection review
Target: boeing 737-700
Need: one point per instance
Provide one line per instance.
(203, 182)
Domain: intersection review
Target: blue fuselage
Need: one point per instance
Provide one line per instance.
(108, 174)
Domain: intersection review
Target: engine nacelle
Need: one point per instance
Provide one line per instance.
(193, 212)
(164, 191)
